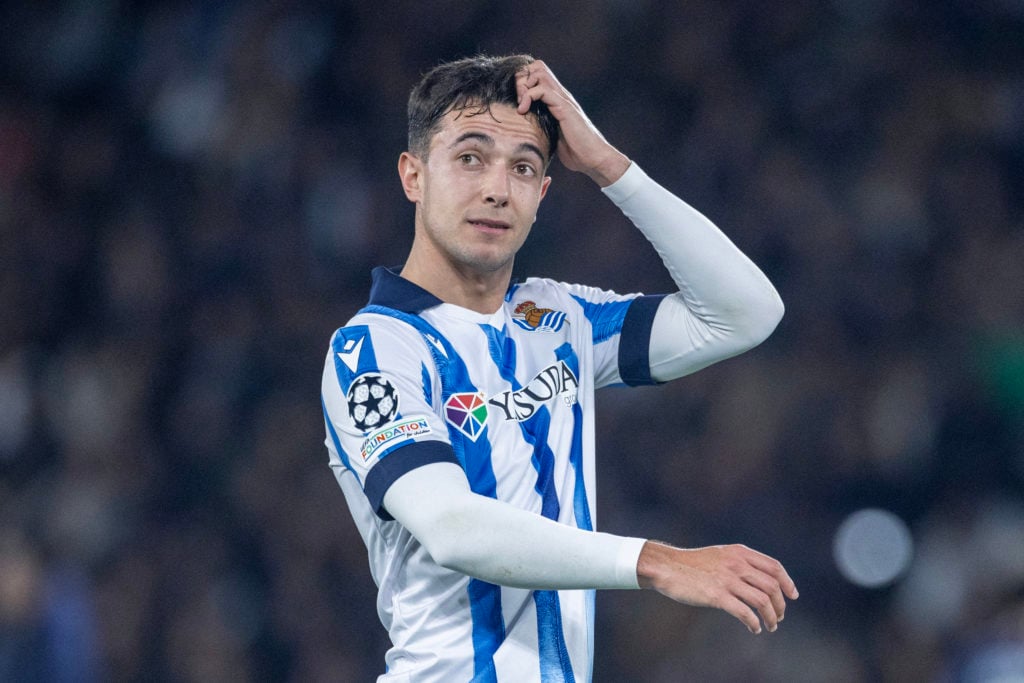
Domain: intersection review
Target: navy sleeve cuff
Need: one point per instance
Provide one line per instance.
(396, 463)
(635, 341)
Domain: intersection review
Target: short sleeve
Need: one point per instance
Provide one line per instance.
(620, 333)
(378, 393)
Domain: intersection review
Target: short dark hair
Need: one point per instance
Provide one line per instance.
(473, 83)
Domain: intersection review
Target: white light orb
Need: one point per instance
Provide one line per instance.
(872, 548)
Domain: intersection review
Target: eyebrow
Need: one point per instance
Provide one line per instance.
(488, 141)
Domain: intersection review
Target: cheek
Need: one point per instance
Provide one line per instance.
(450, 190)
(529, 198)
(440, 196)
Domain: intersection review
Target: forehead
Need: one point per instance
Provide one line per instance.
(501, 122)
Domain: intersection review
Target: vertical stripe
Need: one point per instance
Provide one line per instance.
(605, 318)
(555, 664)
(488, 628)
(428, 392)
(337, 441)
(591, 612)
(475, 457)
(580, 504)
(535, 430)
(580, 501)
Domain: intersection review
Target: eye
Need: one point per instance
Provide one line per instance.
(524, 170)
(467, 159)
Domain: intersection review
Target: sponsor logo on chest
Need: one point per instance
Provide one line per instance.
(468, 412)
(553, 381)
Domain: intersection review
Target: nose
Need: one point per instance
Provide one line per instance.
(496, 186)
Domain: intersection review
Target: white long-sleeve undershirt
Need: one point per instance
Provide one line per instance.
(724, 306)
(502, 544)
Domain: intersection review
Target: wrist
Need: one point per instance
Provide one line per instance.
(651, 563)
(609, 169)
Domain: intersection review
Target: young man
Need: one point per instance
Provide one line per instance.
(460, 407)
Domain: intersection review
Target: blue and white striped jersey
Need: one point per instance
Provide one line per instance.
(509, 397)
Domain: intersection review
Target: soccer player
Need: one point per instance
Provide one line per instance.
(460, 407)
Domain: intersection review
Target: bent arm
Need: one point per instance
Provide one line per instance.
(497, 542)
(725, 304)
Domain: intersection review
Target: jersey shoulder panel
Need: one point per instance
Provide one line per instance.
(620, 326)
(604, 310)
(379, 392)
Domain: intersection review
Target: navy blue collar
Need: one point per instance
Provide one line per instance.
(391, 290)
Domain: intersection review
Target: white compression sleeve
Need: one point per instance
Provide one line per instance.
(725, 304)
(494, 541)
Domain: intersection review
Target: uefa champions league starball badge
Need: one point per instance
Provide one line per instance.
(372, 401)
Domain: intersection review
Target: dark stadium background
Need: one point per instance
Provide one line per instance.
(192, 194)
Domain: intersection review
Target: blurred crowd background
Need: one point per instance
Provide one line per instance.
(192, 195)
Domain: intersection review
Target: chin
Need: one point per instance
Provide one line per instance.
(487, 263)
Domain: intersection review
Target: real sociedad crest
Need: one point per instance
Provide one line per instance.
(529, 317)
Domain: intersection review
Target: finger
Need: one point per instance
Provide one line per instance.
(536, 93)
(526, 78)
(770, 587)
(525, 102)
(536, 71)
(760, 601)
(741, 611)
(773, 567)
(528, 97)
(521, 89)
(555, 99)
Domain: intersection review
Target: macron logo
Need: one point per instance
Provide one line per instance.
(349, 353)
(437, 344)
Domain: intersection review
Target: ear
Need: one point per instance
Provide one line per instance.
(544, 186)
(410, 170)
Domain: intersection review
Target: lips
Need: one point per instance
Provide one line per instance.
(488, 224)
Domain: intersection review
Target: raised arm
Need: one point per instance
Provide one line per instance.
(725, 305)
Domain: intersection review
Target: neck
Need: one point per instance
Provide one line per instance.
(458, 284)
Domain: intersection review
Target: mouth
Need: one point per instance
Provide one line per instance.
(488, 225)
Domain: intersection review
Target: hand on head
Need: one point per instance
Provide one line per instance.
(582, 147)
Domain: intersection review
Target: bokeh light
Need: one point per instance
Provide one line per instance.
(873, 547)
